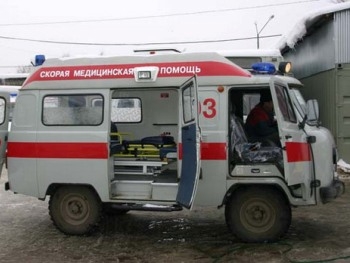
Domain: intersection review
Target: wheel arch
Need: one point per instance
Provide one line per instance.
(54, 186)
(283, 190)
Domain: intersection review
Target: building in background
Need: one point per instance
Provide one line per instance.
(245, 58)
(15, 79)
(11, 83)
(319, 49)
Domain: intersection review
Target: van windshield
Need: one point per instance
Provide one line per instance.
(299, 102)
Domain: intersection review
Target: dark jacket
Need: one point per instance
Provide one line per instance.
(260, 123)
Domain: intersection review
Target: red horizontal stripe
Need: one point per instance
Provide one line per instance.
(213, 151)
(170, 69)
(298, 152)
(57, 150)
(210, 151)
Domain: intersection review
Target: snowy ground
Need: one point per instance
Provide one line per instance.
(27, 235)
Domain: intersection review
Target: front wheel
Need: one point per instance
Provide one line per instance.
(75, 210)
(258, 214)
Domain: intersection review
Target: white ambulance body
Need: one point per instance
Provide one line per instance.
(158, 158)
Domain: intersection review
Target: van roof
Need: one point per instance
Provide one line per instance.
(118, 71)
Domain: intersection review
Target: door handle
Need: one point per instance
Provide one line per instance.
(288, 137)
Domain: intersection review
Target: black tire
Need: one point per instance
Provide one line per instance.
(75, 210)
(258, 214)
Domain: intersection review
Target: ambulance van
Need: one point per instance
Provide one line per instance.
(163, 132)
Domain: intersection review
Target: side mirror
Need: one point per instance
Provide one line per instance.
(312, 112)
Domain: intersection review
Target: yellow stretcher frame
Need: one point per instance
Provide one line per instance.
(135, 150)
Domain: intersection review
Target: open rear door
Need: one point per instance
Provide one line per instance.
(189, 146)
(297, 156)
(4, 122)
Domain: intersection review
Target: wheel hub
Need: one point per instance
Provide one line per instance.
(257, 213)
(257, 216)
(75, 207)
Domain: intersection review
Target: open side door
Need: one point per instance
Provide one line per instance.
(4, 124)
(189, 146)
(297, 155)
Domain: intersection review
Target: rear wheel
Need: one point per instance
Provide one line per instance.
(258, 214)
(75, 210)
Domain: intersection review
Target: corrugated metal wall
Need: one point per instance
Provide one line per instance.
(321, 87)
(322, 62)
(342, 36)
(314, 54)
(332, 90)
(328, 46)
(343, 111)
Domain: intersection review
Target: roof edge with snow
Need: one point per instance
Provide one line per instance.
(301, 27)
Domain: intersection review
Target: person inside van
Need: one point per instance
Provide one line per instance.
(260, 124)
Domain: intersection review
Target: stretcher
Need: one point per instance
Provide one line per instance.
(149, 147)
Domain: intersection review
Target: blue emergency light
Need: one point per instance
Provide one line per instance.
(264, 68)
(39, 60)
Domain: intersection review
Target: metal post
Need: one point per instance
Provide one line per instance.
(258, 32)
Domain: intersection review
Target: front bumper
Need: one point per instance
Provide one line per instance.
(331, 192)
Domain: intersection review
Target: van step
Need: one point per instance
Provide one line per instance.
(146, 207)
(138, 167)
